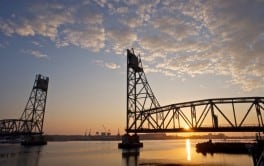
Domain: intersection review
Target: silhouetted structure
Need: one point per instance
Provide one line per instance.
(145, 115)
(32, 118)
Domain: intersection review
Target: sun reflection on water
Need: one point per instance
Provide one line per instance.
(188, 149)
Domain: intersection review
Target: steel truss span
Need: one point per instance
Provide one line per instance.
(32, 118)
(145, 115)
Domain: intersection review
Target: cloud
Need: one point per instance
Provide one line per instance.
(186, 64)
(175, 27)
(240, 26)
(174, 38)
(37, 44)
(58, 23)
(101, 3)
(109, 65)
(122, 36)
(112, 66)
(88, 17)
(210, 37)
(36, 54)
(134, 22)
(122, 10)
(43, 20)
(7, 27)
(90, 37)
(146, 9)
(121, 39)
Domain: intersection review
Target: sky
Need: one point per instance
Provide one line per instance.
(190, 50)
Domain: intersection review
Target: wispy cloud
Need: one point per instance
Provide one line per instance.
(91, 38)
(112, 66)
(37, 44)
(36, 54)
(109, 65)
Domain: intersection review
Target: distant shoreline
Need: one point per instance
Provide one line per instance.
(62, 138)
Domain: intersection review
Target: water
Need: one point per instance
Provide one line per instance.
(100, 153)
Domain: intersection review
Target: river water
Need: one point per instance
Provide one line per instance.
(106, 153)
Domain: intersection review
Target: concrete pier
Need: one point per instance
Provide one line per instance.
(34, 140)
(130, 141)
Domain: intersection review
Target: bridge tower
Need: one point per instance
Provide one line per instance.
(34, 112)
(35, 108)
(139, 98)
(30, 124)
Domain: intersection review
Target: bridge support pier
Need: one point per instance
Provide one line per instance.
(34, 140)
(130, 142)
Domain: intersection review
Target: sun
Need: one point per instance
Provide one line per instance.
(186, 127)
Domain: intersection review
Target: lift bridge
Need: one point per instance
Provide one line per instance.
(145, 115)
(32, 118)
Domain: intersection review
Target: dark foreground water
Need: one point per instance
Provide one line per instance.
(100, 153)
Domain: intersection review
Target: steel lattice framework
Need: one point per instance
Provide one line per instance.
(32, 118)
(144, 113)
